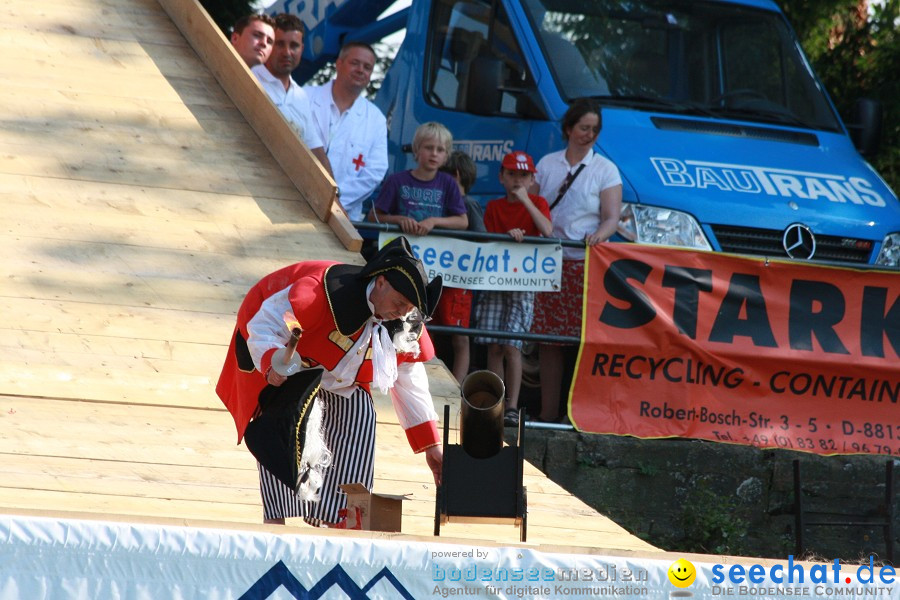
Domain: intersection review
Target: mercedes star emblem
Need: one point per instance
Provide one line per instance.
(799, 241)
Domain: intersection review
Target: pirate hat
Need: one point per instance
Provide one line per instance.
(277, 435)
(406, 274)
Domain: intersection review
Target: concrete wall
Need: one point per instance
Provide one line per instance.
(691, 495)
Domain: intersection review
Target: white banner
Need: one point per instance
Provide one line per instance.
(43, 558)
(487, 265)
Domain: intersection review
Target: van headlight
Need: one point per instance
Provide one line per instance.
(664, 226)
(890, 251)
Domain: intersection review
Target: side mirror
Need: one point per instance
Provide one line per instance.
(865, 128)
(529, 108)
(483, 94)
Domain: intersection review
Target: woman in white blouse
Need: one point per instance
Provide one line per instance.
(585, 194)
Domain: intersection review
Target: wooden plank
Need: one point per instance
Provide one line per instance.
(209, 116)
(48, 8)
(233, 213)
(130, 166)
(344, 229)
(79, 318)
(275, 244)
(24, 380)
(120, 21)
(241, 86)
(141, 357)
(114, 85)
(192, 146)
(109, 504)
(101, 56)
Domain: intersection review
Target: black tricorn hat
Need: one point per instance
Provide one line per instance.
(406, 274)
(276, 436)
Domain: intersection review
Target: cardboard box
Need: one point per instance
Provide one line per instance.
(370, 512)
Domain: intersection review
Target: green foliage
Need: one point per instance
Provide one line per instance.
(648, 469)
(856, 56)
(710, 523)
(226, 12)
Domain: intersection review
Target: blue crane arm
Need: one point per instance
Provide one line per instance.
(331, 23)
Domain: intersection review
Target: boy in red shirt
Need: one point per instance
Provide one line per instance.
(518, 214)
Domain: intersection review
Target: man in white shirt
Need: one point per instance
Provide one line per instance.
(252, 37)
(285, 93)
(353, 130)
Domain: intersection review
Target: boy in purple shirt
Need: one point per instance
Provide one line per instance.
(423, 198)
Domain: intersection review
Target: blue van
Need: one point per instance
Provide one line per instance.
(724, 136)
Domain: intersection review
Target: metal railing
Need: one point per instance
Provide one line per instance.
(464, 234)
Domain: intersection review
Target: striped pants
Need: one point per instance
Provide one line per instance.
(349, 427)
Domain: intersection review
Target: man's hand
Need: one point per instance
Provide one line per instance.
(434, 457)
(273, 378)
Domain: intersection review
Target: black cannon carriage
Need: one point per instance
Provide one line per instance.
(481, 480)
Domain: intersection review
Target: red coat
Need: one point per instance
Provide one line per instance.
(322, 343)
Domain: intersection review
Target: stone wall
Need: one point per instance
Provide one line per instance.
(690, 495)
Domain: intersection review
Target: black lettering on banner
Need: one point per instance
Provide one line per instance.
(640, 310)
(674, 378)
(688, 283)
(743, 291)
(876, 323)
(600, 360)
(805, 321)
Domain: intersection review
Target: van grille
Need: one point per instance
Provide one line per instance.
(767, 242)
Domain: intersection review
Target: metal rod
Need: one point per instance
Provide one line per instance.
(548, 426)
(478, 236)
(506, 335)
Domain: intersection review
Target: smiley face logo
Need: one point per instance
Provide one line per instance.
(682, 573)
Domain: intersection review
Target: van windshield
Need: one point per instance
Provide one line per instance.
(712, 58)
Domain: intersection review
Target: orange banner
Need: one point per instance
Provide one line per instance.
(679, 343)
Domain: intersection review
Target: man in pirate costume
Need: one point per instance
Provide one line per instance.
(360, 325)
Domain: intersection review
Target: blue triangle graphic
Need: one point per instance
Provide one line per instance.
(279, 575)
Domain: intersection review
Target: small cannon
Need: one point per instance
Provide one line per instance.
(481, 479)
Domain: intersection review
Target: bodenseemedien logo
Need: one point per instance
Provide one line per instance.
(682, 573)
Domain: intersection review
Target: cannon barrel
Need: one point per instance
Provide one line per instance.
(481, 420)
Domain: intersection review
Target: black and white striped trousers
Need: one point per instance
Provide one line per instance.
(349, 427)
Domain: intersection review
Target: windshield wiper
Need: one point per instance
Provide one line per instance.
(648, 102)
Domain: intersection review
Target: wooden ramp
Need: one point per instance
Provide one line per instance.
(138, 207)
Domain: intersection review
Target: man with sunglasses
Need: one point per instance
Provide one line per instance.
(359, 324)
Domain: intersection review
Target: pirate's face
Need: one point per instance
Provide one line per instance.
(389, 303)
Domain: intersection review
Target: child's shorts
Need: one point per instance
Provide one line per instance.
(454, 308)
(504, 311)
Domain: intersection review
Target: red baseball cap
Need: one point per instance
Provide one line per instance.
(518, 161)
